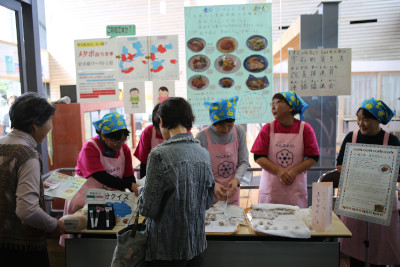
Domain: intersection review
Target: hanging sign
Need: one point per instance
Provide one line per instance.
(120, 30)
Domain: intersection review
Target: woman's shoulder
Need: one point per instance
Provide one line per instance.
(393, 140)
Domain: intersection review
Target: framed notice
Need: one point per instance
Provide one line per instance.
(320, 72)
(367, 185)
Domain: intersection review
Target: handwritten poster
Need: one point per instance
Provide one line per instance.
(320, 72)
(63, 186)
(163, 64)
(229, 53)
(322, 205)
(134, 97)
(133, 58)
(124, 203)
(368, 182)
(162, 90)
(96, 78)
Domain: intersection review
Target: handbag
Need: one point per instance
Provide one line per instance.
(131, 245)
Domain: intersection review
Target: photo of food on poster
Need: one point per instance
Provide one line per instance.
(162, 90)
(134, 97)
(96, 78)
(229, 53)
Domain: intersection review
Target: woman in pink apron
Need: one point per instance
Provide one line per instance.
(150, 138)
(384, 241)
(285, 149)
(226, 143)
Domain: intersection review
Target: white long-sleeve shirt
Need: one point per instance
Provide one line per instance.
(28, 189)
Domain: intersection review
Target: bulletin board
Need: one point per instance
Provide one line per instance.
(229, 53)
(367, 185)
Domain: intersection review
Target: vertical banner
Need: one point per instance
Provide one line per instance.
(134, 97)
(133, 60)
(322, 205)
(164, 55)
(162, 90)
(367, 186)
(96, 79)
(229, 53)
(320, 72)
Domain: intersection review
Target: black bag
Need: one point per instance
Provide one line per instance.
(131, 245)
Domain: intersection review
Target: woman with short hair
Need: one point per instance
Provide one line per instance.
(179, 189)
(23, 217)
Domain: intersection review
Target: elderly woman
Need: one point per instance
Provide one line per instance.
(226, 143)
(285, 149)
(24, 221)
(105, 160)
(179, 188)
(384, 240)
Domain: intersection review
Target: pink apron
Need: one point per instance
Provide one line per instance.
(113, 166)
(224, 160)
(286, 151)
(384, 241)
(154, 140)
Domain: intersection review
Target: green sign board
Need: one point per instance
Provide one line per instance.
(120, 30)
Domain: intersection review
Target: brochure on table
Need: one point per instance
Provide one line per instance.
(229, 53)
(367, 185)
(63, 186)
(124, 203)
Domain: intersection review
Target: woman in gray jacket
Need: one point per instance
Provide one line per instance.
(179, 188)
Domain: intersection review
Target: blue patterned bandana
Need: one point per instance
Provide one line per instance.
(222, 109)
(111, 122)
(379, 109)
(295, 102)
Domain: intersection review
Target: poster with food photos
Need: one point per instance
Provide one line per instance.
(162, 90)
(96, 78)
(367, 185)
(134, 97)
(229, 53)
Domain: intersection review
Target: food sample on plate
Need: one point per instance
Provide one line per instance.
(256, 43)
(226, 45)
(254, 83)
(226, 82)
(255, 63)
(196, 44)
(199, 63)
(226, 64)
(198, 82)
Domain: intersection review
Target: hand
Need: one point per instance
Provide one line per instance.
(232, 186)
(220, 191)
(46, 185)
(282, 175)
(135, 188)
(59, 230)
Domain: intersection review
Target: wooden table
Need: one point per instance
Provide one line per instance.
(243, 248)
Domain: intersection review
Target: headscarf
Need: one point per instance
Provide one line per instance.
(110, 122)
(379, 109)
(222, 109)
(295, 102)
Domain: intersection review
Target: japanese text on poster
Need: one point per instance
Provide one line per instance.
(368, 182)
(124, 203)
(320, 72)
(229, 53)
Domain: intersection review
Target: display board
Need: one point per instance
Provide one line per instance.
(102, 63)
(320, 72)
(367, 185)
(229, 53)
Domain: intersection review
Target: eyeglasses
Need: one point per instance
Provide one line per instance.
(364, 120)
(120, 141)
(274, 103)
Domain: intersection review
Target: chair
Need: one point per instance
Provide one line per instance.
(334, 177)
